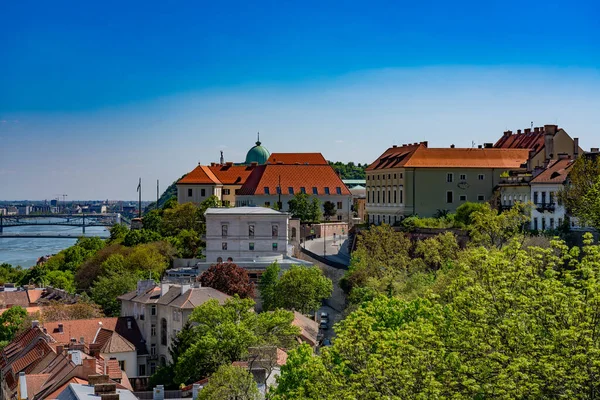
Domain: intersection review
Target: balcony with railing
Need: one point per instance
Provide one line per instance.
(543, 206)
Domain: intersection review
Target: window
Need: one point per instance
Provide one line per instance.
(383, 196)
(226, 191)
(152, 368)
(338, 190)
(551, 197)
(142, 370)
(535, 224)
(278, 189)
(266, 190)
(543, 224)
(449, 196)
(394, 176)
(274, 230)
(163, 332)
(251, 230)
(560, 222)
(480, 197)
(551, 223)
(291, 190)
(368, 196)
(176, 315)
(395, 197)
(267, 204)
(315, 191)
(535, 197)
(274, 246)
(463, 177)
(153, 310)
(224, 246)
(543, 197)
(401, 175)
(224, 230)
(449, 177)
(339, 217)
(378, 194)
(326, 190)
(481, 177)
(401, 196)
(122, 365)
(389, 196)
(202, 192)
(219, 260)
(190, 192)
(251, 246)
(153, 330)
(339, 205)
(152, 349)
(175, 332)
(302, 189)
(463, 197)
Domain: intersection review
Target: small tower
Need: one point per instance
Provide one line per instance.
(221, 160)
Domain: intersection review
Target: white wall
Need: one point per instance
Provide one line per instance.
(238, 238)
(261, 201)
(545, 217)
(130, 358)
(196, 197)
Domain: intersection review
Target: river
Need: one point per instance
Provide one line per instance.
(25, 252)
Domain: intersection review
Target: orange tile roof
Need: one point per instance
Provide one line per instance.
(35, 382)
(229, 174)
(467, 158)
(297, 158)
(395, 157)
(113, 370)
(201, 175)
(308, 328)
(527, 140)
(77, 328)
(294, 176)
(34, 295)
(557, 172)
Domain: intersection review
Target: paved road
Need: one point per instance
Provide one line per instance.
(332, 250)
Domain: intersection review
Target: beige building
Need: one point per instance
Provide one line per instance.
(417, 180)
(544, 143)
(198, 186)
(161, 311)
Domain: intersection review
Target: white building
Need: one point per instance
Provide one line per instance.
(245, 233)
(548, 213)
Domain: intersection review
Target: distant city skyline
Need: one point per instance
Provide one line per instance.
(94, 96)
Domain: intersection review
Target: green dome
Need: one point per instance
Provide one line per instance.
(257, 154)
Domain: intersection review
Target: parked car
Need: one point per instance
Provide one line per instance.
(326, 342)
(324, 325)
(324, 315)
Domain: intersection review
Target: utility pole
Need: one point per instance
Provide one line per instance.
(139, 189)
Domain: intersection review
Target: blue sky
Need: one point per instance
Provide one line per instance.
(93, 96)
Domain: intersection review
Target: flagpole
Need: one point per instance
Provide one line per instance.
(157, 191)
(140, 198)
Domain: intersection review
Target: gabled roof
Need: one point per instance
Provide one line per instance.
(195, 297)
(112, 342)
(527, 140)
(35, 382)
(230, 174)
(78, 328)
(308, 328)
(201, 175)
(556, 172)
(14, 298)
(395, 156)
(296, 177)
(297, 158)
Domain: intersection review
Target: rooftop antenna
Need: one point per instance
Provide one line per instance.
(472, 144)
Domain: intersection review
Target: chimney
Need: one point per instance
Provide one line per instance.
(89, 366)
(394, 146)
(488, 145)
(530, 160)
(59, 349)
(22, 386)
(158, 393)
(451, 146)
(185, 288)
(61, 328)
(102, 389)
(575, 148)
(81, 340)
(549, 144)
(479, 146)
(563, 156)
(35, 323)
(164, 288)
(527, 130)
(98, 379)
(595, 150)
(229, 163)
(518, 131)
(425, 143)
(536, 130)
(550, 129)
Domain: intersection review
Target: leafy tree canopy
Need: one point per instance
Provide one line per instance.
(229, 279)
(300, 288)
(230, 383)
(305, 207)
(11, 321)
(580, 195)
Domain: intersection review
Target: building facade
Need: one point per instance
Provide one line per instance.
(245, 233)
(416, 180)
(198, 186)
(161, 311)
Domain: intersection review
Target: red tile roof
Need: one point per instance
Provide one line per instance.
(418, 155)
(77, 328)
(35, 382)
(557, 172)
(229, 174)
(294, 176)
(467, 158)
(297, 158)
(527, 140)
(201, 175)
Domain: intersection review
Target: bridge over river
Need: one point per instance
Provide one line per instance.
(75, 220)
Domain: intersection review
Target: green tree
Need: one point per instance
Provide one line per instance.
(491, 228)
(302, 289)
(118, 233)
(183, 216)
(190, 243)
(314, 210)
(514, 322)
(140, 236)
(152, 220)
(305, 207)
(329, 210)
(222, 334)
(267, 285)
(108, 287)
(11, 274)
(11, 321)
(465, 210)
(582, 185)
(61, 279)
(230, 383)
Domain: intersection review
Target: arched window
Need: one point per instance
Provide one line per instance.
(229, 259)
(293, 233)
(163, 332)
(219, 260)
(163, 361)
